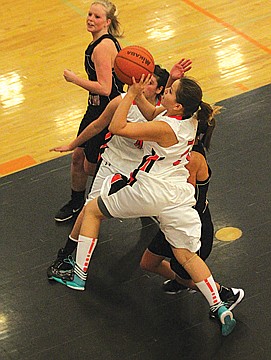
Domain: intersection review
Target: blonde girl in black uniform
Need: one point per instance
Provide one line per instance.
(103, 86)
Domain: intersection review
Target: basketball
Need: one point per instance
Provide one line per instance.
(133, 61)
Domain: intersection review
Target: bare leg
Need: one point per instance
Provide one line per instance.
(89, 168)
(77, 225)
(91, 221)
(156, 264)
(78, 176)
(195, 267)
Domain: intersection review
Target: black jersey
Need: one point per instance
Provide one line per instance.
(117, 85)
(201, 186)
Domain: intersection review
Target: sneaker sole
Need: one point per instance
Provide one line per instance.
(66, 283)
(227, 321)
(240, 298)
(228, 326)
(80, 288)
(66, 219)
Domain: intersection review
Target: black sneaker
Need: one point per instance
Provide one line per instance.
(231, 297)
(68, 211)
(172, 287)
(225, 317)
(62, 267)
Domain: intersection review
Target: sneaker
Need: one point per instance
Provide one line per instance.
(172, 287)
(225, 316)
(68, 211)
(62, 267)
(231, 297)
(77, 280)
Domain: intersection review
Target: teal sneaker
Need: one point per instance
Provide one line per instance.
(76, 278)
(225, 317)
(77, 283)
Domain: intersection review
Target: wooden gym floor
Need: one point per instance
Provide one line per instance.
(124, 314)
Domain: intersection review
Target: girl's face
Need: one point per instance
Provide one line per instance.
(96, 19)
(151, 89)
(169, 98)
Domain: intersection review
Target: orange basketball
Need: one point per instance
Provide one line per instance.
(133, 61)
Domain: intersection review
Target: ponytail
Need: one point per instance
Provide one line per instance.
(112, 14)
(207, 122)
(189, 95)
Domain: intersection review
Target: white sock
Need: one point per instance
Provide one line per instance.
(84, 251)
(209, 290)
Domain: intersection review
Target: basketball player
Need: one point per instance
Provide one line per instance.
(103, 86)
(158, 186)
(119, 154)
(153, 259)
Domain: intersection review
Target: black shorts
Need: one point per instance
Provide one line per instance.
(160, 246)
(92, 146)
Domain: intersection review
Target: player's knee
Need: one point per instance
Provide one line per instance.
(144, 263)
(78, 158)
(149, 262)
(89, 168)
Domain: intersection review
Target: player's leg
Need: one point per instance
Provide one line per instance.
(78, 186)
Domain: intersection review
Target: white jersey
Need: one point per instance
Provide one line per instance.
(119, 154)
(159, 187)
(168, 163)
(123, 153)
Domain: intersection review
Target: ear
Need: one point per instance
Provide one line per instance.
(108, 22)
(178, 107)
(159, 90)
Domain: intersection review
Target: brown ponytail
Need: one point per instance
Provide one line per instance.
(189, 94)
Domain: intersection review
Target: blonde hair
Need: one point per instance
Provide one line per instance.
(112, 14)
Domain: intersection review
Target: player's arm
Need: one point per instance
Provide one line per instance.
(102, 58)
(93, 128)
(156, 131)
(148, 110)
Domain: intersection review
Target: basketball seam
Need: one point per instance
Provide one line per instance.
(134, 63)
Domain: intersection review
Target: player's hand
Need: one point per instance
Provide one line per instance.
(69, 75)
(180, 68)
(61, 149)
(137, 88)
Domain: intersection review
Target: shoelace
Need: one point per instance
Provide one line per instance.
(215, 307)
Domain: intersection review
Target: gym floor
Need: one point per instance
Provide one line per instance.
(124, 314)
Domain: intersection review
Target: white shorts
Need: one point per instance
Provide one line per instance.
(171, 203)
(105, 170)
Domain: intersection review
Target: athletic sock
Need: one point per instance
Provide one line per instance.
(85, 250)
(209, 290)
(70, 246)
(78, 197)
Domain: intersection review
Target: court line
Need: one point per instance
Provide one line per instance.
(74, 7)
(228, 26)
(17, 164)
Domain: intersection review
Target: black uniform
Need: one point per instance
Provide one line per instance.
(161, 247)
(97, 103)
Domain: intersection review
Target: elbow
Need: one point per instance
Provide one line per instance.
(105, 91)
(111, 128)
